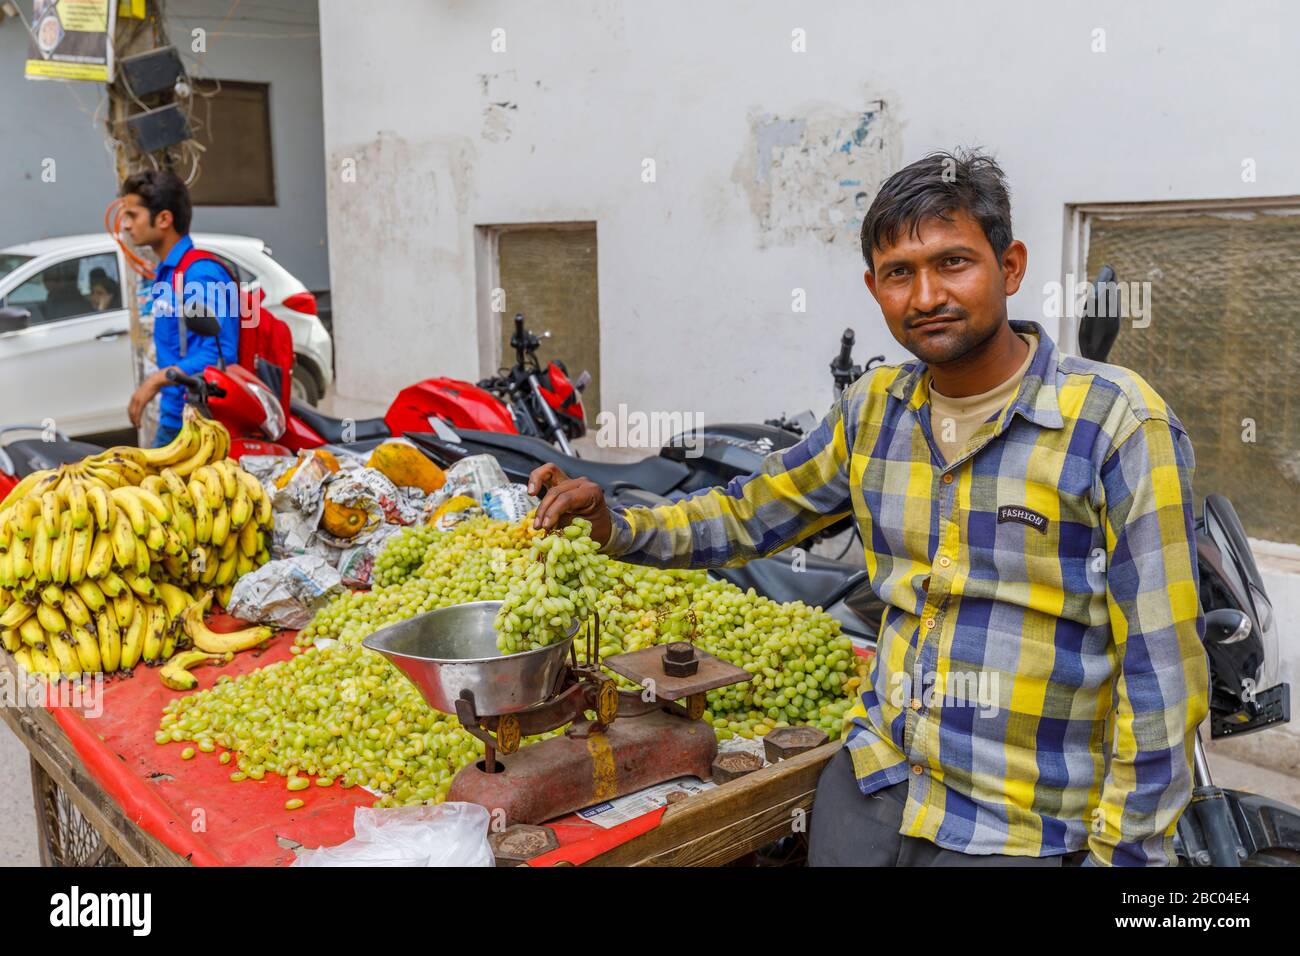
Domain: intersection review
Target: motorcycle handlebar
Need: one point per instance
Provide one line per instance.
(180, 378)
(846, 349)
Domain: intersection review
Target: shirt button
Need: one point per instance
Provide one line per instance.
(917, 768)
(929, 623)
(947, 479)
(916, 703)
(945, 561)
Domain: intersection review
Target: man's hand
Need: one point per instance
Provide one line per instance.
(567, 498)
(143, 395)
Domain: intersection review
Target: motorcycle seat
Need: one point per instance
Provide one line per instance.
(331, 429)
(820, 583)
(654, 473)
(33, 454)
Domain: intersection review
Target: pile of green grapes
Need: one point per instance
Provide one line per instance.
(564, 579)
(346, 716)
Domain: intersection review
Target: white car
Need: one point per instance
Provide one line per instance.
(65, 352)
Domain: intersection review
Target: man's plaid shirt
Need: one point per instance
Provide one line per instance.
(1039, 675)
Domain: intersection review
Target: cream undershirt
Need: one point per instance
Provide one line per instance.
(954, 420)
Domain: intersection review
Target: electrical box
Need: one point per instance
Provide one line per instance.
(158, 128)
(153, 72)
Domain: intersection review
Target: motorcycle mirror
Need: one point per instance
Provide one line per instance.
(583, 380)
(204, 324)
(1227, 625)
(1099, 326)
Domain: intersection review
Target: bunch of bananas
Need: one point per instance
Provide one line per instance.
(100, 560)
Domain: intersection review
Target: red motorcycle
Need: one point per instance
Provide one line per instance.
(521, 400)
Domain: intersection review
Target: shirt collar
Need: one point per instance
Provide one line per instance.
(1037, 399)
(183, 245)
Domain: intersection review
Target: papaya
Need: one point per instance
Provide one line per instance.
(343, 521)
(407, 467)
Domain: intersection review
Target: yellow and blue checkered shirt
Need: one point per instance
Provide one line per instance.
(1039, 674)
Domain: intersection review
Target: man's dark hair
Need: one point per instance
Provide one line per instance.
(159, 189)
(935, 187)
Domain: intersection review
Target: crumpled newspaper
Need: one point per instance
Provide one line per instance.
(372, 492)
(287, 592)
(473, 477)
(509, 502)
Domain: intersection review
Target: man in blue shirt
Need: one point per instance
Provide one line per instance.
(156, 213)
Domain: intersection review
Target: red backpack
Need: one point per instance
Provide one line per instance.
(265, 342)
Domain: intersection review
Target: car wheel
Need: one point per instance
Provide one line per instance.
(304, 385)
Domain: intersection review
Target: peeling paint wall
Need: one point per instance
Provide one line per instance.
(815, 174)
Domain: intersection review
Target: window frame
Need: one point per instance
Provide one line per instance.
(217, 86)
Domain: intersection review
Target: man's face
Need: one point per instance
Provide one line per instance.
(943, 291)
(138, 226)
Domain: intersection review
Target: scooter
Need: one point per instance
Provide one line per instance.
(526, 400)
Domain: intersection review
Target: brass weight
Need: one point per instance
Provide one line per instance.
(507, 734)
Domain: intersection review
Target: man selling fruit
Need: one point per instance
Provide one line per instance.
(156, 213)
(1027, 521)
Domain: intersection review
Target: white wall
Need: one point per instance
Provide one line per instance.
(696, 270)
(263, 41)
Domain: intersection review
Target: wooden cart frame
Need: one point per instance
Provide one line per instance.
(79, 824)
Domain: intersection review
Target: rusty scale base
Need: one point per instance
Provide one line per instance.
(630, 743)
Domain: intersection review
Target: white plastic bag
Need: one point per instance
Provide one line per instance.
(449, 834)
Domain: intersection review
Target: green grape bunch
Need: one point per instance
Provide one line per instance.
(563, 580)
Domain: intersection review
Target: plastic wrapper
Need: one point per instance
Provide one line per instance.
(356, 565)
(449, 834)
(474, 477)
(508, 502)
(286, 593)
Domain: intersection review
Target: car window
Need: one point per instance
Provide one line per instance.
(69, 289)
(9, 261)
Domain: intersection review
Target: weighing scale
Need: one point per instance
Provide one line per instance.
(633, 739)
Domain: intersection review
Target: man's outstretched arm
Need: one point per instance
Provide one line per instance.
(796, 492)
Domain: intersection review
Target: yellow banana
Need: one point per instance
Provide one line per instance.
(178, 449)
(100, 561)
(50, 512)
(231, 547)
(210, 565)
(202, 513)
(75, 609)
(42, 662)
(130, 504)
(142, 560)
(51, 618)
(155, 632)
(128, 452)
(128, 469)
(156, 539)
(175, 566)
(110, 640)
(100, 505)
(133, 639)
(173, 544)
(222, 445)
(24, 517)
(23, 656)
(183, 523)
(176, 672)
(173, 598)
(52, 595)
(20, 491)
(208, 640)
(220, 525)
(142, 587)
(224, 593)
(154, 504)
(124, 606)
(78, 504)
(31, 632)
(179, 490)
(41, 546)
(79, 553)
(16, 613)
(69, 665)
(227, 470)
(20, 560)
(87, 648)
(248, 539)
(257, 494)
(6, 531)
(241, 508)
(124, 540)
(225, 573)
(106, 476)
(61, 551)
(201, 456)
(112, 585)
(211, 479)
(91, 595)
(10, 640)
(7, 577)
